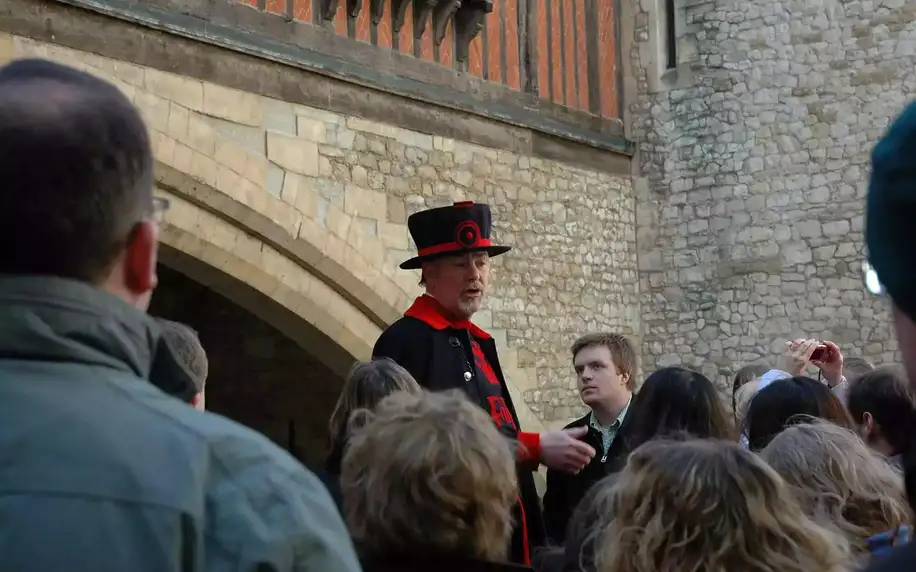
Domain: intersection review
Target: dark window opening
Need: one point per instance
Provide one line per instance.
(670, 35)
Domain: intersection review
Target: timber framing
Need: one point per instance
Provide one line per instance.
(200, 44)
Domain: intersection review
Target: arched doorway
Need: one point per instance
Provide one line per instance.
(258, 376)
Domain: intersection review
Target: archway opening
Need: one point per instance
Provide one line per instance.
(258, 376)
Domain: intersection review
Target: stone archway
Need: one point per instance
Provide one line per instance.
(258, 376)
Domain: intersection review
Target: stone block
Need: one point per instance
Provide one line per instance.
(184, 91)
(201, 136)
(6, 48)
(292, 153)
(394, 235)
(365, 203)
(178, 122)
(311, 129)
(204, 168)
(232, 105)
(231, 155)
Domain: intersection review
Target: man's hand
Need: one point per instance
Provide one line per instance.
(832, 366)
(563, 450)
(797, 356)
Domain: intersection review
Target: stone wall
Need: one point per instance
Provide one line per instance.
(753, 166)
(345, 185)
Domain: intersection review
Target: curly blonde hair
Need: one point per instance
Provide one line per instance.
(429, 472)
(839, 481)
(703, 505)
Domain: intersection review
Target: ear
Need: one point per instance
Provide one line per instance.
(868, 421)
(624, 379)
(140, 259)
(198, 401)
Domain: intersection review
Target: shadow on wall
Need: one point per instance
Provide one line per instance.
(258, 376)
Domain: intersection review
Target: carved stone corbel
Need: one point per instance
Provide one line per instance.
(354, 7)
(444, 11)
(328, 9)
(468, 23)
(376, 10)
(421, 10)
(399, 9)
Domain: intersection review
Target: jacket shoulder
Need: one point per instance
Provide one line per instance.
(581, 422)
(265, 502)
(405, 328)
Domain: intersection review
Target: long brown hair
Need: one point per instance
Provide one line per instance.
(839, 481)
(703, 505)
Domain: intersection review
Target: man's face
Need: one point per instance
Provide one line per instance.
(598, 378)
(459, 282)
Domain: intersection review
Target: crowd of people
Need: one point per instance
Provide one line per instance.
(109, 460)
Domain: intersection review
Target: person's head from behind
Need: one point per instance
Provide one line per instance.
(708, 505)
(77, 171)
(429, 473)
(856, 367)
(744, 376)
(185, 345)
(891, 267)
(839, 481)
(605, 366)
(882, 404)
(676, 400)
(789, 401)
(368, 383)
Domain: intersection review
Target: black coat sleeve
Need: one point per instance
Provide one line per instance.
(408, 348)
(556, 507)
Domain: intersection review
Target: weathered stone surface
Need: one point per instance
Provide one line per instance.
(754, 159)
(347, 188)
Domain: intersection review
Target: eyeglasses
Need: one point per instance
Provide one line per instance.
(160, 206)
(870, 277)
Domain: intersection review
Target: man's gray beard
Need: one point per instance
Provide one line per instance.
(468, 309)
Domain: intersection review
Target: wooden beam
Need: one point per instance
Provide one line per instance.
(468, 23)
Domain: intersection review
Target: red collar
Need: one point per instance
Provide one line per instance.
(427, 309)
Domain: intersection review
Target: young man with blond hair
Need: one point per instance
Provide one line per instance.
(605, 364)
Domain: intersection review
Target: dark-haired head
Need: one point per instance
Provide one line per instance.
(77, 171)
(881, 404)
(788, 401)
(676, 400)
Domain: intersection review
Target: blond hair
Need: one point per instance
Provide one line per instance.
(702, 505)
(839, 481)
(429, 472)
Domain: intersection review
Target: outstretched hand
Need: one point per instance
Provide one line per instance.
(565, 451)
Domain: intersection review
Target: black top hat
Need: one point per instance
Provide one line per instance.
(462, 227)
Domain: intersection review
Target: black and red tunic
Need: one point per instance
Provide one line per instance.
(439, 353)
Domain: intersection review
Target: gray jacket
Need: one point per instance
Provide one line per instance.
(101, 471)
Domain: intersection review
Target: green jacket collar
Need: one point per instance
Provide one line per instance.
(53, 319)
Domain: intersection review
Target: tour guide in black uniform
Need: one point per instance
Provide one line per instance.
(436, 342)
